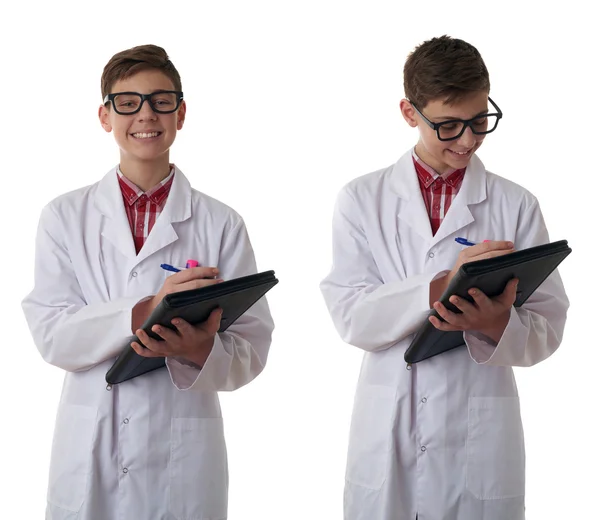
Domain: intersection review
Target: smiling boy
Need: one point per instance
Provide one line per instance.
(152, 447)
(441, 439)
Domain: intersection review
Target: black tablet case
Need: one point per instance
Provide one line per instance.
(531, 266)
(235, 297)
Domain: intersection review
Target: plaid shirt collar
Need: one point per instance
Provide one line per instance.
(157, 194)
(427, 175)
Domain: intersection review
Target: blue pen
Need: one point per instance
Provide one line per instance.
(168, 267)
(464, 241)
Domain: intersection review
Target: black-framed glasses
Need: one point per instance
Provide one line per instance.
(162, 101)
(454, 128)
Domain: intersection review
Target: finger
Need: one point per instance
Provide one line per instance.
(509, 295)
(213, 323)
(447, 315)
(166, 333)
(194, 273)
(466, 307)
(482, 301)
(491, 245)
(183, 327)
(440, 325)
(195, 284)
(150, 343)
(491, 254)
(144, 352)
(486, 247)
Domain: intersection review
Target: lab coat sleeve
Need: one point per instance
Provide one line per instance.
(240, 353)
(70, 333)
(534, 330)
(367, 312)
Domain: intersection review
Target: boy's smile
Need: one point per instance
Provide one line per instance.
(147, 136)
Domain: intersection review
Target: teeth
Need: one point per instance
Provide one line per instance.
(145, 136)
(460, 153)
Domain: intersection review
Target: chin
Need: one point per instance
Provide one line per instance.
(147, 155)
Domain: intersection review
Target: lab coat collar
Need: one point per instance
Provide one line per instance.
(405, 184)
(109, 201)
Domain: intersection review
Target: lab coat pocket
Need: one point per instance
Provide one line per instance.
(495, 448)
(70, 465)
(198, 469)
(370, 445)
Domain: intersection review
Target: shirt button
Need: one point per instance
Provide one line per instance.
(436, 207)
(125, 421)
(424, 400)
(408, 367)
(423, 448)
(431, 255)
(125, 470)
(109, 387)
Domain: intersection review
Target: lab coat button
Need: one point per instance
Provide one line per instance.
(125, 421)
(125, 470)
(423, 448)
(408, 367)
(431, 255)
(424, 400)
(134, 274)
(109, 387)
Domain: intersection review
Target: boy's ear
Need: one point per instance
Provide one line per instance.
(408, 113)
(181, 115)
(104, 119)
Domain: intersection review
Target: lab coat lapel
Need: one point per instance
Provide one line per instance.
(177, 209)
(472, 191)
(109, 201)
(406, 185)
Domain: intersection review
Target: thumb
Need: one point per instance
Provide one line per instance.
(213, 323)
(509, 295)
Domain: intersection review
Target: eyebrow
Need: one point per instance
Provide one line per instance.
(155, 91)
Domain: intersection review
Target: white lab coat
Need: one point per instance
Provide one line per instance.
(442, 438)
(152, 447)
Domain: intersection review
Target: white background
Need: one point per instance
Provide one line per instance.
(288, 101)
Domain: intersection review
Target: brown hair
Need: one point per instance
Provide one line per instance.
(444, 68)
(131, 61)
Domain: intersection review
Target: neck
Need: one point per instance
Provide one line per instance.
(145, 174)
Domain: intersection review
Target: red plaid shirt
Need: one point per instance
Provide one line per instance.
(143, 208)
(438, 193)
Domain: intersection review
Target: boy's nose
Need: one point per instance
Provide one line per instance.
(146, 111)
(468, 138)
